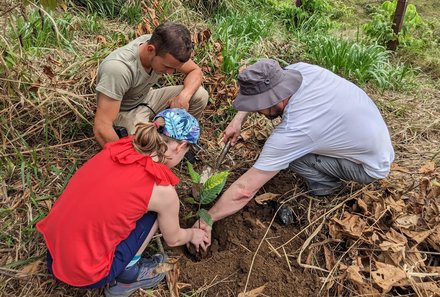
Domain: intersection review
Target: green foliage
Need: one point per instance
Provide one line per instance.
(210, 190)
(364, 63)
(415, 32)
(311, 16)
(129, 11)
(213, 186)
(237, 32)
(91, 24)
(35, 30)
(205, 216)
(195, 177)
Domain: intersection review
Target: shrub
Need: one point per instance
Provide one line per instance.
(415, 32)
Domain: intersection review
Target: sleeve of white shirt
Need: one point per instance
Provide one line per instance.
(283, 147)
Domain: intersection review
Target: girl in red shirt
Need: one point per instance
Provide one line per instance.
(113, 205)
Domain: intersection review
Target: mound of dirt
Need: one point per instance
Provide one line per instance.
(232, 257)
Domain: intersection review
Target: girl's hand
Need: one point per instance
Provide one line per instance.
(199, 239)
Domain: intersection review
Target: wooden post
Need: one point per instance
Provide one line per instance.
(399, 15)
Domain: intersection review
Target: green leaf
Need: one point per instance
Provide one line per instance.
(213, 186)
(205, 216)
(191, 200)
(189, 216)
(195, 177)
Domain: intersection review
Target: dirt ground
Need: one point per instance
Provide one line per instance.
(233, 257)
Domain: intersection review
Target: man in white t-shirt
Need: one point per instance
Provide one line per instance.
(330, 131)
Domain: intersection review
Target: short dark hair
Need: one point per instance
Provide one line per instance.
(174, 39)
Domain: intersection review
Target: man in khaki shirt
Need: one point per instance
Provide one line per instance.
(126, 77)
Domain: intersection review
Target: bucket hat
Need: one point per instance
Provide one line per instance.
(180, 125)
(264, 84)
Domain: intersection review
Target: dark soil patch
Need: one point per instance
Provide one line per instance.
(225, 270)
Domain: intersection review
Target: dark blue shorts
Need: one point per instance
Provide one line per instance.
(125, 251)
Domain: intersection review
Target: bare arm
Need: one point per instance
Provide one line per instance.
(193, 80)
(234, 127)
(240, 193)
(236, 197)
(106, 113)
(165, 202)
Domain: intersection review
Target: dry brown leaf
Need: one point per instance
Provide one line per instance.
(394, 241)
(397, 205)
(415, 259)
(352, 224)
(427, 289)
(418, 236)
(428, 168)
(164, 267)
(378, 209)
(354, 275)
(253, 293)
(101, 39)
(397, 167)
(329, 258)
(386, 276)
(261, 199)
(363, 288)
(246, 134)
(407, 221)
(363, 206)
(334, 230)
(434, 238)
(29, 269)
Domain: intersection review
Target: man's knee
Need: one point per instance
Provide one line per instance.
(198, 102)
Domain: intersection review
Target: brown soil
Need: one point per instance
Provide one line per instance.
(234, 255)
(236, 239)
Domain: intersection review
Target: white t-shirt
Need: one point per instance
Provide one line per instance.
(329, 116)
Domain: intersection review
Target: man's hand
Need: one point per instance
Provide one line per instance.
(179, 102)
(233, 130)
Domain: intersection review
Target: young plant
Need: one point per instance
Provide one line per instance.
(205, 192)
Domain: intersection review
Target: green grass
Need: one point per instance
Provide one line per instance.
(237, 32)
(128, 11)
(38, 30)
(363, 63)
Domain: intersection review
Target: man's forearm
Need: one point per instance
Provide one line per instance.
(230, 202)
(106, 135)
(191, 84)
(240, 193)
(241, 116)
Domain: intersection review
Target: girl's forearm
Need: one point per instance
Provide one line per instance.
(182, 237)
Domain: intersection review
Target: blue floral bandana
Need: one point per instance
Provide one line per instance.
(180, 125)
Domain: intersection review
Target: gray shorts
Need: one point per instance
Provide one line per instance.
(324, 175)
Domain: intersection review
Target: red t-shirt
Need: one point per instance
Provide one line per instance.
(98, 209)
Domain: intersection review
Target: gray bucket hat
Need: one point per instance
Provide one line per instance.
(264, 84)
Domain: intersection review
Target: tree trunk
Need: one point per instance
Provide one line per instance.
(399, 15)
